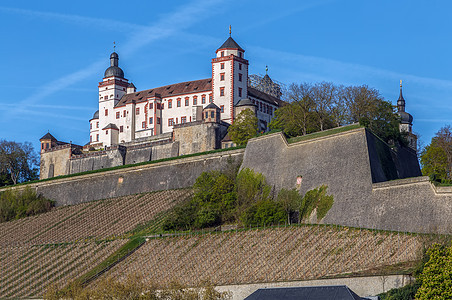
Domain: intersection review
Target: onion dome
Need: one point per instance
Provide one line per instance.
(405, 118)
(96, 115)
(114, 70)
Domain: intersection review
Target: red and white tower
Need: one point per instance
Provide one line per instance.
(229, 77)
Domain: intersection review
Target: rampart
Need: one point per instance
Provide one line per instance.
(173, 174)
(369, 180)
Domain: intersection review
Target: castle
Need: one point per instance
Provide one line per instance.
(167, 121)
(178, 119)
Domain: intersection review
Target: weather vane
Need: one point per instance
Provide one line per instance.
(266, 70)
(114, 46)
(400, 82)
(230, 30)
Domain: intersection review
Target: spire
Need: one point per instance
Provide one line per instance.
(400, 101)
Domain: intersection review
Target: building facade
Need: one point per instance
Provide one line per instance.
(126, 115)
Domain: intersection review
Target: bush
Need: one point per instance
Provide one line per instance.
(251, 187)
(290, 201)
(316, 199)
(263, 213)
(404, 293)
(24, 203)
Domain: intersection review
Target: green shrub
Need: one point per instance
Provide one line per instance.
(263, 213)
(316, 199)
(251, 187)
(404, 293)
(290, 201)
(20, 204)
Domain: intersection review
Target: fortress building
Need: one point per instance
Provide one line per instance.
(406, 121)
(133, 126)
(126, 115)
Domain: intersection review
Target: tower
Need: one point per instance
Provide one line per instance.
(111, 89)
(406, 121)
(229, 77)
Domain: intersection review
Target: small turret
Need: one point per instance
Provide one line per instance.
(131, 88)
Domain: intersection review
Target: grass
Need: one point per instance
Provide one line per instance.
(323, 133)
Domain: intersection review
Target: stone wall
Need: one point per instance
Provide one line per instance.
(356, 167)
(178, 173)
(55, 162)
(199, 136)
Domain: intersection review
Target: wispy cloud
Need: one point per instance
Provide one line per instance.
(169, 24)
(99, 23)
(341, 71)
(45, 106)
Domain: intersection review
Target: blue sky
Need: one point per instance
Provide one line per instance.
(54, 53)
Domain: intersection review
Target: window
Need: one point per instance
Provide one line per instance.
(183, 120)
(137, 111)
(240, 66)
(90, 125)
(118, 114)
(170, 122)
(90, 139)
(240, 76)
(161, 105)
(195, 100)
(178, 102)
(42, 146)
(106, 97)
(203, 99)
(240, 54)
(47, 145)
(222, 91)
(222, 66)
(97, 137)
(158, 120)
(240, 92)
(143, 124)
(212, 114)
(97, 124)
(222, 76)
(106, 112)
(187, 101)
(176, 121)
(207, 114)
(151, 120)
(124, 113)
(222, 53)
(210, 98)
(106, 132)
(151, 106)
(170, 103)
(222, 108)
(260, 106)
(121, 128)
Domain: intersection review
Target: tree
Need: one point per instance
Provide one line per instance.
(436, 158)
(18, 160)
(290, 201)
(244, 127)
(436, 277)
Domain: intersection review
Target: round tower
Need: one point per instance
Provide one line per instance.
(406, 121)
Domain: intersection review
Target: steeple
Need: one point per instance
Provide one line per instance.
(114, 69)
(400, 101)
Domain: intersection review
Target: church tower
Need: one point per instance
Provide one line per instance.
(406, 121)
(111, 89)
(229, 77)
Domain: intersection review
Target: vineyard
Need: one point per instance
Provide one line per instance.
(268, 255)
(68, 242)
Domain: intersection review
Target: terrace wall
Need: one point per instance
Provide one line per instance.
(174, 174)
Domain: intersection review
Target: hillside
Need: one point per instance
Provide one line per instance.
(71, 241)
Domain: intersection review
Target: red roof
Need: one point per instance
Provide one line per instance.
(183, 88)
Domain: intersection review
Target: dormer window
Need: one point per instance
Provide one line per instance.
(222, 53)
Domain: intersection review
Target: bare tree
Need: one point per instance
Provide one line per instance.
(19, 160)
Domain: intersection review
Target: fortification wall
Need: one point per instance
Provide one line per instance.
(352, 164)
(179, 173)
(199, 136)
(97, 160)
(55, 163)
